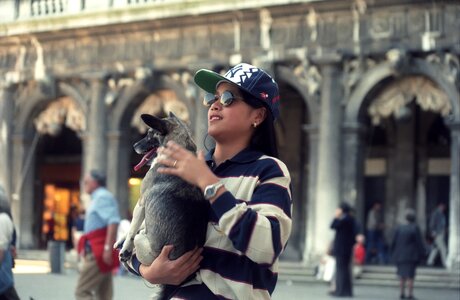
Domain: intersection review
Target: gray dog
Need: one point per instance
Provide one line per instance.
(170, 211)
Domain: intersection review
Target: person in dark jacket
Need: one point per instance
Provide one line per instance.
(344, 226)
(407, 250)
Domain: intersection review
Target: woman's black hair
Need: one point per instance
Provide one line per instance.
(264, 137)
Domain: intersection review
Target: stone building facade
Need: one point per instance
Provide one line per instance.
(370, 104)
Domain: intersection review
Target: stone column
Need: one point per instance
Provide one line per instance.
(328, 174)
(453, 258)
(23, 189)
(118, 169)
(310, 214)
(6, 122)
(353, 167)
(96, 143)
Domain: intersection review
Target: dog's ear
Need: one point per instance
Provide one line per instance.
(155, 123)
(173, 115)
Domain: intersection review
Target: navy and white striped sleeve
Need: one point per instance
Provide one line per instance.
(259, 226)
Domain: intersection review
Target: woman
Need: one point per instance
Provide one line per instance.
(247, 186)
(407, 249)
(344, 226)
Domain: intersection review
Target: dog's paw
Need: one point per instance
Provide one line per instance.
(119, 244)
(125, 256)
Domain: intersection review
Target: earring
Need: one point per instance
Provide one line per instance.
(254, 124)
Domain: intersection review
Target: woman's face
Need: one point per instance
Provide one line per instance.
(233, 122)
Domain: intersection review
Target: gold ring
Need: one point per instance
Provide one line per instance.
(174, 164)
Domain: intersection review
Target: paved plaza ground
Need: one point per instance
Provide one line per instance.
(34, 282)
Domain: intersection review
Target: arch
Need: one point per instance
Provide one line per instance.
(416, 67)
(136, 93)
(42, 97)
(69, 90)
(285, 74)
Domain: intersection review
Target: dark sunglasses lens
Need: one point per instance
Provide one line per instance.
(209, 99)
(227, 98)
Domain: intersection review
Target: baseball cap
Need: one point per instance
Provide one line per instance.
(252, 80)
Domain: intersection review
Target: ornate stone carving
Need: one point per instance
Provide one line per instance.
(449, 64)
(398, 58)
(115, 87)
(265, 26)
(186, 80)
(62, 112)
(310, 76)
(353, 70)
(159, 104)
(395, 97)
(312, 23)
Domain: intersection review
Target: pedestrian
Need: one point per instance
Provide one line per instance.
(96, 244)
(437, 228)
(78, 226)
(359, 256)
(7, 290)
(375, 249)
(247, 186)
(407, 250)
(344, 226)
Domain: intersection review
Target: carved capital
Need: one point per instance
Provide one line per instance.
(398, 59)
(449, 64)
(310, 77)
(353, 70)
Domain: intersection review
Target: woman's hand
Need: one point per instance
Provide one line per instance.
(165, 271)
(180, 162)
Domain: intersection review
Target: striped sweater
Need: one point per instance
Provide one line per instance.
(248, 230)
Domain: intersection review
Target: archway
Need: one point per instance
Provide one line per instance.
(157, 96)
(58, 160)
(353, 143)
(45, 109)
(298, 150)
(406, 150)
(293, 146)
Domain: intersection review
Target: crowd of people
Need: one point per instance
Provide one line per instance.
(351, 248)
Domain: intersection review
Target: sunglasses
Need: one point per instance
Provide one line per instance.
(226, 99)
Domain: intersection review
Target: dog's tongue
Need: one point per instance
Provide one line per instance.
(148, 156)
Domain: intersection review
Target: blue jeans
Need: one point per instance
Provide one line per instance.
(375, 247)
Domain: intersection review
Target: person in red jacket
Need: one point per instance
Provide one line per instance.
(359, 256)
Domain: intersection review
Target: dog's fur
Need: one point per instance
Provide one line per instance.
(171, 211)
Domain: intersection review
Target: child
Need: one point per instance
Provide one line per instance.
(359, 256)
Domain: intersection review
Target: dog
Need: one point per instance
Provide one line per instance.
(169, 211)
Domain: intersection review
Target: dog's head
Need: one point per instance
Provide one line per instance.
(160, 132)
(147, 147)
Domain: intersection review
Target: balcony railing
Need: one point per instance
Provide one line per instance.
(55, 7)
(12, 10)
(47, 7)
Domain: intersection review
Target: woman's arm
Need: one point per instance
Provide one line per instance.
(165, 271)
(260, 227)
